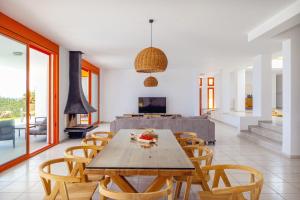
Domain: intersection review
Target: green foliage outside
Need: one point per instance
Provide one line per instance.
(12, 108)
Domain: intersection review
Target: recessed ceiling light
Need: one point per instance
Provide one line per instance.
(17, 53)
(249, 67)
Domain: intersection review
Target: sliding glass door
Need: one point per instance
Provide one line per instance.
(29, 93)
(12, 99)
(39, 95)
(25, 99)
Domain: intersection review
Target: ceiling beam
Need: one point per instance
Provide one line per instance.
(282, 21)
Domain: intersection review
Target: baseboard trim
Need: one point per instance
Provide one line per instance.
(291, 156)
(219, 121)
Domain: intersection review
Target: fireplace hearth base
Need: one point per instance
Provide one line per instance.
(79, 131)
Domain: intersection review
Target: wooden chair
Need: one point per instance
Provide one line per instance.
(83, 155)
(190, 141)
(185, 134)
(98, 142)
(103, 134)
(200, 156)
(106, 193)
(184, 138)
(64, 187)
(230, 192)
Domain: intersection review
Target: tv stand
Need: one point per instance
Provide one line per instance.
(152, 115)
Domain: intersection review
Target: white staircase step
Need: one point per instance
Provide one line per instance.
(262, 141)
(267, 133)
(271, 126)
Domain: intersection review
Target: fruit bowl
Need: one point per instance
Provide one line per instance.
(145, 137)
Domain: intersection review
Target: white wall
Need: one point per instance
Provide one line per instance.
(120, 89)
(63, 89)
(248, 82)
(273, 89)
(224, 89)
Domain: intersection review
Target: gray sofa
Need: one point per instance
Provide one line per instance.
(204, 128)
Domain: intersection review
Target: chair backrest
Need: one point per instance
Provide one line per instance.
(59, 181)
(7, 127)
(200, 156)
(185, 134)
(166, 192)
(185, 141)
(230, 192)
(183, 137)
(82, 155)
(103, 134)
(98, 142)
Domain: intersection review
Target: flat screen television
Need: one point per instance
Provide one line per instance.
(152, 104)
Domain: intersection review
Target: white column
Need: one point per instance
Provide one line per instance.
(233, 91)
(240, 103)
(225, 87)
(262, 87)
(291, 95)
(218, 92)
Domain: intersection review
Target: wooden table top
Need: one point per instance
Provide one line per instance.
(122, 155)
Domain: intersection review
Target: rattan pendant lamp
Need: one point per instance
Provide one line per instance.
(150, 81)
(151, 60)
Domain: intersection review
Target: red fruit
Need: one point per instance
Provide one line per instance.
(146, 137)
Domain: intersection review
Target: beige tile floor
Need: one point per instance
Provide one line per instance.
(282, 175)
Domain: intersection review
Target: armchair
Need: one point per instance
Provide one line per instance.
(39, 127)
(7, 131)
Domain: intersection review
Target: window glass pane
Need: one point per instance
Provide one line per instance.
(39, 99)
(210, 81)
(12, 99)
(95, 97)
(84, 118)
(210, 98)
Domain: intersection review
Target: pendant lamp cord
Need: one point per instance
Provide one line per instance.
(151, 22)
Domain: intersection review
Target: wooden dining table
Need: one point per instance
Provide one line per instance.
(124, 157)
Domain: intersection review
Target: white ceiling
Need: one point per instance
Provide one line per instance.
(204, 34)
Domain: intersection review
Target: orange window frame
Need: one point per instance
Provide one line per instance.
(16, 31)
(92, 69)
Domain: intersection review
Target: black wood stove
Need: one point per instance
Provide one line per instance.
(77, 103)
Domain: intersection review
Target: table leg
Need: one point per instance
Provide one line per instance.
(19, 132)
(188, 187)
(123, 184)
(157, 184)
